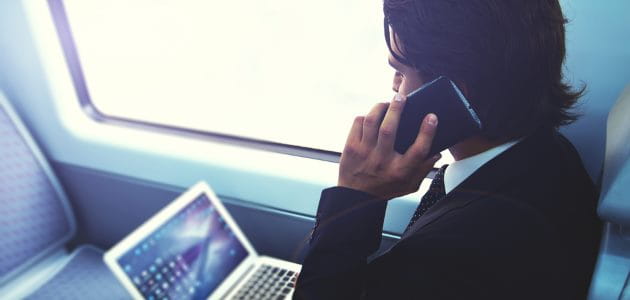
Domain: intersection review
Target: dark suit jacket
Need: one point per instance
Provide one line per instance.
(523, 226)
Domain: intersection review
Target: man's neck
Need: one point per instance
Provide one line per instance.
(472, 146)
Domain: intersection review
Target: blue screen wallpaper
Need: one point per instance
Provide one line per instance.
(186, 258)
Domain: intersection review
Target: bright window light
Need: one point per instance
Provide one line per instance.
(286, 71)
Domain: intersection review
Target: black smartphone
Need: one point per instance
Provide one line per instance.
(457, 120)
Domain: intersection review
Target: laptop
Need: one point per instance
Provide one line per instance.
(193, 249)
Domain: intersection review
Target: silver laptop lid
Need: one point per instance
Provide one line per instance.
(191, 249)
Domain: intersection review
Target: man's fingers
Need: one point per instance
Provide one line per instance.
(356, 132)
(420, 149)
(387, 132)
(371, 124)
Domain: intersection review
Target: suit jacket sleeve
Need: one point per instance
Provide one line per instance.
(347, 230)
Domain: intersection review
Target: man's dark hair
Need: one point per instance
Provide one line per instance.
(509, 54)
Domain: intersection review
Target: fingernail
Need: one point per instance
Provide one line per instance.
(398, 98)
(432, 119)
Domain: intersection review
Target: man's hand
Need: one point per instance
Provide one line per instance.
(369, 162)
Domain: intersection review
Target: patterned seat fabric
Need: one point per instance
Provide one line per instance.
(32, 215)
(85, 277)
(35, 217)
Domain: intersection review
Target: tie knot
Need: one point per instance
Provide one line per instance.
(440, 172)
(437, 185)
(436, 192)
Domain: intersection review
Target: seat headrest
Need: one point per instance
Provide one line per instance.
(614, 203)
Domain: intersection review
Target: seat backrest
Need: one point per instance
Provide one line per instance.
(615, 201)
(35, 217)
(611, 275)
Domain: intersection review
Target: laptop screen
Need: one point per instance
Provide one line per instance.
(187, 257)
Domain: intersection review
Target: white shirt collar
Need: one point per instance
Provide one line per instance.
(458, 171)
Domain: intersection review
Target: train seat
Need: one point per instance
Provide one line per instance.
(36, 222)
(612, 273)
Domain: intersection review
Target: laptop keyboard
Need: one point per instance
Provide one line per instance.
(269, 282)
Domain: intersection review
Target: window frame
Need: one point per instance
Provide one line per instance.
(64, 33)
(43, 91)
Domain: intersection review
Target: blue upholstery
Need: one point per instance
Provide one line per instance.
(615, 201)
(85, 277)
(33, 217)
(35, 220)
(612, 273)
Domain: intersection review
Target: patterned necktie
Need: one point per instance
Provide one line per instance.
(436, 192)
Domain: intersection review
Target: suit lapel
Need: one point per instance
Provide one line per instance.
(454, 200)
(488, 178)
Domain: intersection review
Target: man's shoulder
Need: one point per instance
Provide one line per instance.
(492, 215)
(543, 167)
(534, 192)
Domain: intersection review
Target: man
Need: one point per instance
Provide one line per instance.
(513, 217)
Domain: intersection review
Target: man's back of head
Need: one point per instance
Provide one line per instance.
(507, 55)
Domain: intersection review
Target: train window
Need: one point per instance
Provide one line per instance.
(287, 72)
